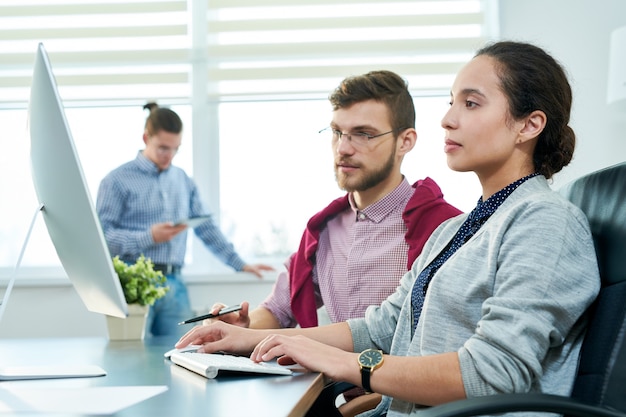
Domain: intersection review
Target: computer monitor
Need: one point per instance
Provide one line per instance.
(62, 190)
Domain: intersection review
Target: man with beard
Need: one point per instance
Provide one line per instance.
(354, 252)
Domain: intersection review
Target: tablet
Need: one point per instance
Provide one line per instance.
(193, 221)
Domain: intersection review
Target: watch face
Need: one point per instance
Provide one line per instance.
(370, 358)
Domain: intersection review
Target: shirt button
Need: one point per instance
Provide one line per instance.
(361, 216)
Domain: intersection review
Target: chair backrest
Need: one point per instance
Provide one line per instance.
(601, 377)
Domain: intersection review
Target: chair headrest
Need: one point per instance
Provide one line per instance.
(601, 195)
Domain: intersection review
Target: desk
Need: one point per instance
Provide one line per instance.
(141, 363)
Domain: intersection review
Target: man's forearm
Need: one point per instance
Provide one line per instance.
(262, 318)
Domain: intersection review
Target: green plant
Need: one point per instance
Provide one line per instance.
(140, 282)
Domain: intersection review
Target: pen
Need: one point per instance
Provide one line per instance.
(223, 311)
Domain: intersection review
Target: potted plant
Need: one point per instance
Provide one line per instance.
(142, 286)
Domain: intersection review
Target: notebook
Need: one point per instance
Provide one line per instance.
(210, 365)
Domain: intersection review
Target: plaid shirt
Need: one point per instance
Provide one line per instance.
(136, 195)
(359, 261)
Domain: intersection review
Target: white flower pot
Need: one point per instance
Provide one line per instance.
(132, 327)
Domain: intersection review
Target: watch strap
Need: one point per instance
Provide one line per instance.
(365, 378)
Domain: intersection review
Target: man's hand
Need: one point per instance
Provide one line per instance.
(236, 318)
(257, 269)
(164, 232)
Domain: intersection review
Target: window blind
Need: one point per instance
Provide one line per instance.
(303, 48)
(100, 51)
(131, 51)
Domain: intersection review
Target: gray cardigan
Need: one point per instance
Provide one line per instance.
(510, 301)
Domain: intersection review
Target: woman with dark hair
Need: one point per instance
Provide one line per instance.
(496, 301)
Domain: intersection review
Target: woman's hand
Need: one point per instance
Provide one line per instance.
(220, 336)
(314, 356)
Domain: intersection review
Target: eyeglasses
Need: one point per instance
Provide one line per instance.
(164, 150)
(357, 139)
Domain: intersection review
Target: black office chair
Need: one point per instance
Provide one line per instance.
(600, 385)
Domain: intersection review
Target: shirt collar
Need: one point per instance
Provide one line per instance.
(147, 165)
(486, 208)
(382, 208)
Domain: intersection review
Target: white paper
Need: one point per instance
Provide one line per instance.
(74, 400)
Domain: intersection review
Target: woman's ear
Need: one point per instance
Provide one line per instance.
(533, 126)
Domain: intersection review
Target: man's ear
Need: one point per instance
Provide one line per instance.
(533, 126)
(407, 140)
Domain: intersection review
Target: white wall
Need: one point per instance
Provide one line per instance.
(576, 32)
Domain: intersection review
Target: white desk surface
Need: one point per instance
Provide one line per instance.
(141, 365)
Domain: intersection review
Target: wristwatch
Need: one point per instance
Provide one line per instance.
(369, 360)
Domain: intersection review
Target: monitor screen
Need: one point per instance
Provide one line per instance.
(62, 190)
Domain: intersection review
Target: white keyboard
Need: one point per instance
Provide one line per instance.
(210, 365)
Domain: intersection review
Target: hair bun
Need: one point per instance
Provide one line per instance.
(151, 105)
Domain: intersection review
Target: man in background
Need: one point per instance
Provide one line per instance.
(138, 203)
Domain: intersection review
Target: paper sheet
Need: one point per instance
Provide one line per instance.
(81, 400)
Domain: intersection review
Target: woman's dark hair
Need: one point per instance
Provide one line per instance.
(384, 86)
(533, 80)
(162, 118)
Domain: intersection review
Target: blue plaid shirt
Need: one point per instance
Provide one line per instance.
(136, 195)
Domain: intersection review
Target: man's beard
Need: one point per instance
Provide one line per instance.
(369, 180)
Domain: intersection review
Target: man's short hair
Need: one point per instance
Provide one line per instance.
(383, 86)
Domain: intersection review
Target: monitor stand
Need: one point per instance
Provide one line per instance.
(12, 373)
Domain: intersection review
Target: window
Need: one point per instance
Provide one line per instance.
(250, 79)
